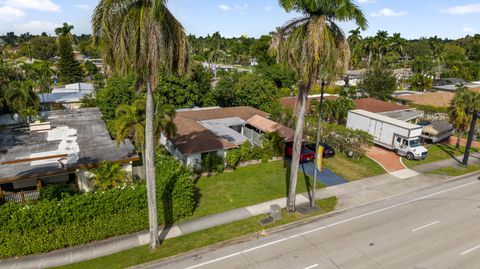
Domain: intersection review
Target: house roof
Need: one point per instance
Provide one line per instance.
(193, 137)
(77, 138)
(437, 99)
(368, 104)
(377, 106)
(268, 126)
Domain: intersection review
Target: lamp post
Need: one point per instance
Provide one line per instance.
(473, 126)
(314, 187)
(346, 87)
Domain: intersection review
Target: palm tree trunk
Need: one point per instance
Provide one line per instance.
(150, 168)
(459, 138)
(297, 145)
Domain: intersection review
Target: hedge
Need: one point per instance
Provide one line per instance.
(52, 224)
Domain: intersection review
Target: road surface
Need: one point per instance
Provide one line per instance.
(438, 227)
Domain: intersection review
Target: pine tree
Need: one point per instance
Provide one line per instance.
(69, 69)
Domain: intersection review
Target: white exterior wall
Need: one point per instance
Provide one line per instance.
(84, 181)
(194, 161)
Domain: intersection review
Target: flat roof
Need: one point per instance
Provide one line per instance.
(404, 115)
(383, 118)
(78, 138)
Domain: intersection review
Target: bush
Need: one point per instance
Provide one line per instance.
(233, 158)
(353, 143)
(50, 224)
(57, 191)
(213, 163)
(246, 152)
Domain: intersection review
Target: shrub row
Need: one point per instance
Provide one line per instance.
(52, 224)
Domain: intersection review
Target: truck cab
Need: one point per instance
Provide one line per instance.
(411, 148)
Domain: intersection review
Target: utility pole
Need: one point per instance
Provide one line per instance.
(312, 201)
(473, 127)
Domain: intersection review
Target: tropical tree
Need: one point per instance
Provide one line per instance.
(142, 37)
(21, 97)
(379, 82)
(108, 175)
(461, 111)
(315, 48)
(381, 43)
(355, 40)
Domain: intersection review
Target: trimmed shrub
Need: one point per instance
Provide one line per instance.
(52, 224)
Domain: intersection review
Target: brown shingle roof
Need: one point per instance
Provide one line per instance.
(438, 99)
(192, 137)
(269, 126)
(377, 106)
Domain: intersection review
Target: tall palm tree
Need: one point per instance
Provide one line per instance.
(142, 37)
(398, 44)
(369, 47)
(315, 48)
(381, 43)
(65, 30)
(354, 41)
(461, 111)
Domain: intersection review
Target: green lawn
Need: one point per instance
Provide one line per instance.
(196, 240)
(245, 186)
(351, 169)
(437, 152)
(455, 170)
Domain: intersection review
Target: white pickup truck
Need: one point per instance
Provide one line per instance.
(399, 136)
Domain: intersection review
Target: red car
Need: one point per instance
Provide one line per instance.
(305, 155)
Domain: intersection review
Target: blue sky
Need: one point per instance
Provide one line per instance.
(411, 18)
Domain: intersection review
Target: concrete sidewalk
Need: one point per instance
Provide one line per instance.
(455, 161)
(350, 195)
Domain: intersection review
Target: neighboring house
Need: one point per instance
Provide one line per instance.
(215, 130)
(392, 110)
(70, 96)
(61, 149)
(435, 99)
(451, 84)
(356, 76)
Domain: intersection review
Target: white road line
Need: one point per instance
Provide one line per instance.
(330, 225)
(425, 226)
(470, 250)
(311, 266)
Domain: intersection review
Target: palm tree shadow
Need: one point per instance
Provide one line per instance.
(445, 148)
(167, 204)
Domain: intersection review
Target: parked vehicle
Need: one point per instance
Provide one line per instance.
(399, 136)
(437, 131)
(305, 155)
(328, 151)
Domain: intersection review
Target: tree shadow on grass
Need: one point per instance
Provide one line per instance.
(449, 149)
(288, 165)
(167, 207)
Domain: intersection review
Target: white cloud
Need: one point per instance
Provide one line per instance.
(465, 9)
(224, 7)
(83, 6)
(42, 5)
(386, 12)
(268, 8)
(36, 27)
(468, 29)
(8, 13)
(241, 7)
(367, 1)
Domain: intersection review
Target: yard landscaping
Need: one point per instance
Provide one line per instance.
(196, 240)
(438, 152)
(245, 186)
(351, 169)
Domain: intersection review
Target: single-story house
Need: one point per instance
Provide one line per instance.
(390, 109)
(60, 149)
(451, 84)
(215, 130)
(70, 96)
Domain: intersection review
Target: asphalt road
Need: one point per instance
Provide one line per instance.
(438, 227)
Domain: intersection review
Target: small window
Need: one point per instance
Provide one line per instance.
(398, 139)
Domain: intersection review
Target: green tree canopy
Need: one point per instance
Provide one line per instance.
(379, 82)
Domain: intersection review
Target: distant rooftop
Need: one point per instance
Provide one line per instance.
(77, 139)
(71, 93)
